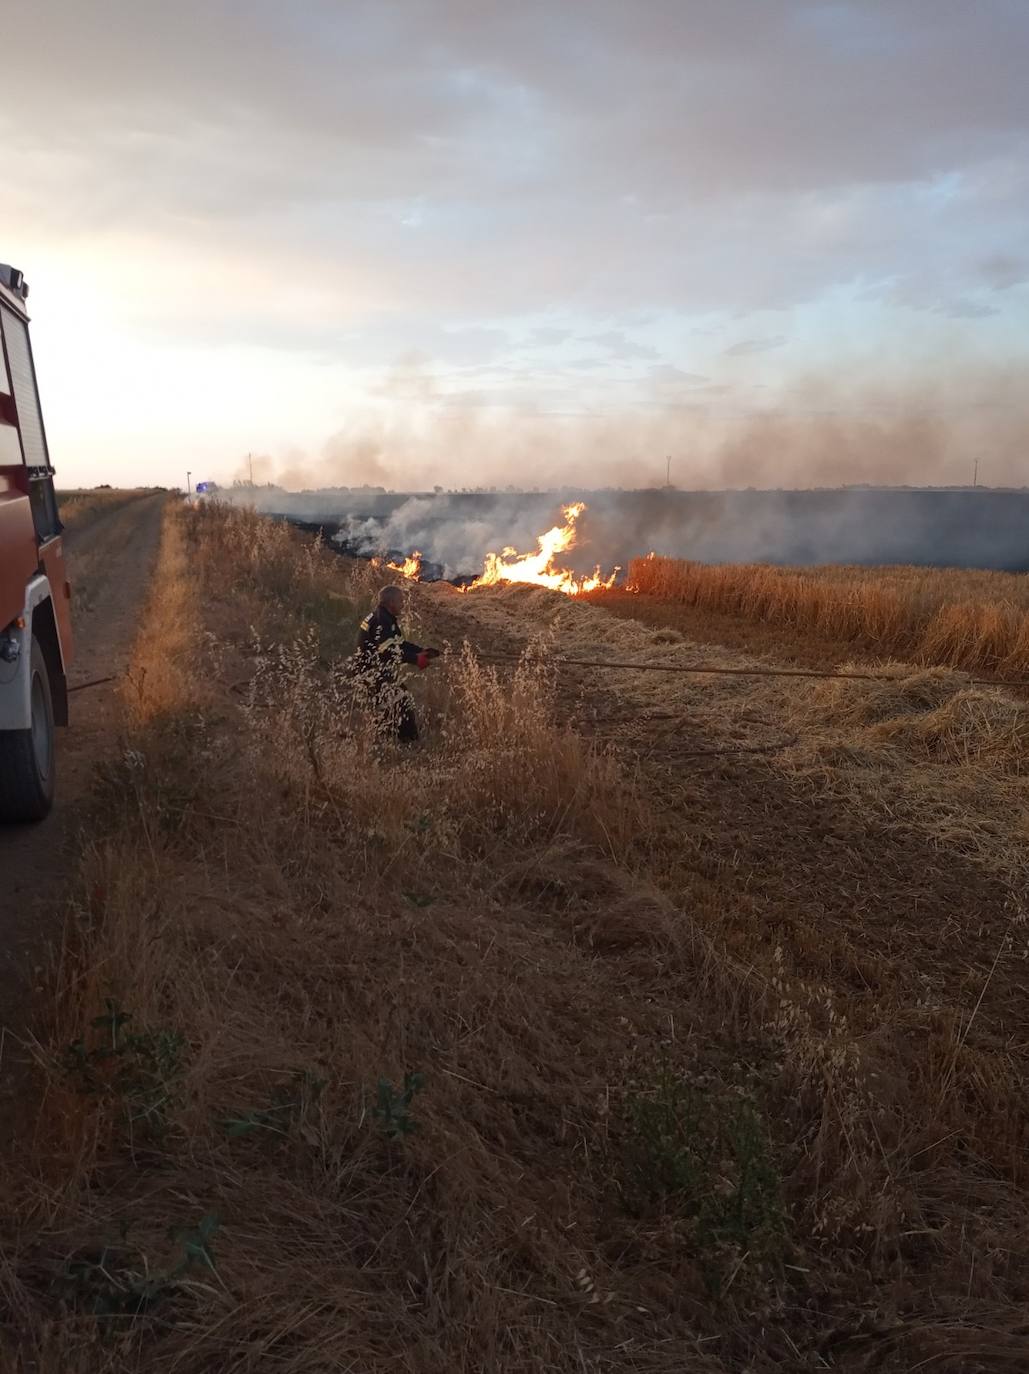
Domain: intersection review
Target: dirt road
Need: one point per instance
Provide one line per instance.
(110, 561)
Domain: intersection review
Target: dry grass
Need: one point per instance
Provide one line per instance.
(934, 712)
(157, 679)
(896, 749)
(647, 1139)
(879, 864)
(81, 507)
(961, 619)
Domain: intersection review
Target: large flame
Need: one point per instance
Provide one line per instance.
(411, 567)
(538, 567)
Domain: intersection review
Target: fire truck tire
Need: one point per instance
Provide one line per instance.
(27, 774)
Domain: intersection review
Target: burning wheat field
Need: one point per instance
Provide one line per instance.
(539, 569)
(954, 616)
(539, 874)
(658, 1010)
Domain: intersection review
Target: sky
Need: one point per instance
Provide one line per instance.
(454, 242)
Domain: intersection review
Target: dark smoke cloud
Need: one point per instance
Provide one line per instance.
(909, 433)
(825, 430)
(960, 528)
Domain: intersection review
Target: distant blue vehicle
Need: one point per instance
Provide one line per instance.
(208, 487)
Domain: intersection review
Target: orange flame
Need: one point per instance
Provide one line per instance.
(538, 567)
(411, 567)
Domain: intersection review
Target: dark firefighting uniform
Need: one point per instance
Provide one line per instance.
(381, 649)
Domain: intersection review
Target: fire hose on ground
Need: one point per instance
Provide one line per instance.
(741, 672)
(787, 742)
(94, 682)
(826, 674)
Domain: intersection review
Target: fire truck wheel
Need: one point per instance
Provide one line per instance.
(27, 756)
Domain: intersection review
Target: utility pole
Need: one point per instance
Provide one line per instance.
(975, 474)
(189, 489)
(668, 472)
(250, 458)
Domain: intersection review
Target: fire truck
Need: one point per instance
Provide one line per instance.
(35, 595)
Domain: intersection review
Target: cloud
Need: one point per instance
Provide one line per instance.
(745, 346)
(745, 163)
(668, 376)
(1004, 270)
(345, 186)
(619, 345)
(967, 310)
(549, 337)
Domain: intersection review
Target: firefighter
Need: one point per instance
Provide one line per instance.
(381, 649)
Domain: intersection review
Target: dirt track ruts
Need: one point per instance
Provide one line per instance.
(110, 562)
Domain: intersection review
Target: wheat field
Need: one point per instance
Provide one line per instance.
(955, 618)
